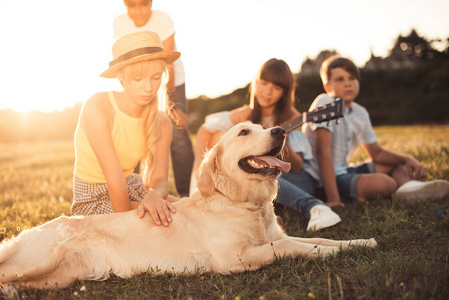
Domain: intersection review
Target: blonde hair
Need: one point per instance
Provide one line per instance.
(154, 113)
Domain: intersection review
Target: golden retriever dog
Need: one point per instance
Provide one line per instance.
(227, 226)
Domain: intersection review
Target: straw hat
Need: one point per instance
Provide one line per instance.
(137, 47)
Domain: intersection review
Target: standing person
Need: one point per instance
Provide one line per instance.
(116, 129)
(271, 103)
(387, 173)
(141, 17)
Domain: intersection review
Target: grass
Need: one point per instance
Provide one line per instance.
(411, 261)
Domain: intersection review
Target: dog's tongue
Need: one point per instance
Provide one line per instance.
(277, 163)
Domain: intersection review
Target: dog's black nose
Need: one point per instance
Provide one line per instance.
(277, 131)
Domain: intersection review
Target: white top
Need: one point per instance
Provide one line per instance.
(355, 127)
(221, 121)
(159, 22)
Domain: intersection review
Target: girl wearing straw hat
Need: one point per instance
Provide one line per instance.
(116, 129)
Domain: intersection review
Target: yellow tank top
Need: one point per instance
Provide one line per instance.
(129, 143)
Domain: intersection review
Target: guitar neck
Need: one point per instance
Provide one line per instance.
(294, 123)
(330, 111)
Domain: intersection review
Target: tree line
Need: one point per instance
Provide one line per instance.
(409, 86)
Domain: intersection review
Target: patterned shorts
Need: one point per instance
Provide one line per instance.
(93, 198)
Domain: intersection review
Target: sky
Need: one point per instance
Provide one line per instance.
(52, 51)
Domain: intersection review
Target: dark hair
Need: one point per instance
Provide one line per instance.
(334, 62)
(277, 72)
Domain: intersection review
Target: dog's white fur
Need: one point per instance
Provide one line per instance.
(227, 226)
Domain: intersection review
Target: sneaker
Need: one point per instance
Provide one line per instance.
(413, 190)
(322, 216)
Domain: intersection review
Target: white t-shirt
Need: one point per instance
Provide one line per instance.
(159, 22)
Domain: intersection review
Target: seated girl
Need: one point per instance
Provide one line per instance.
(271, 104)
(117, 129)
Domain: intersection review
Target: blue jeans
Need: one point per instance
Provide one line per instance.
(347, 183)
(292, 192)
(302, 180)
(181, 147)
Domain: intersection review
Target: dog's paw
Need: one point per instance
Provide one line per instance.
(8, 291)
(370, 243)
(324, 251)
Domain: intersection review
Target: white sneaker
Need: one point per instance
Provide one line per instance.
(418, 190)
(322, 216)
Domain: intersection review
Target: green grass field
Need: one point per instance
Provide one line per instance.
(411, 261)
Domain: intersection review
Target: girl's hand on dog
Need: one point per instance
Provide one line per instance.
(158, 208)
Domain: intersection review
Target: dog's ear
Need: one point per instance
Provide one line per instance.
(207, 171)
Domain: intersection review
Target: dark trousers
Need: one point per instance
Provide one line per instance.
(182, 159)
(181, 147)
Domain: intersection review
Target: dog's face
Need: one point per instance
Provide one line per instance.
(255, 150)
(243, 165)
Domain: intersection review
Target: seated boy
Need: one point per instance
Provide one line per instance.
(388, 173)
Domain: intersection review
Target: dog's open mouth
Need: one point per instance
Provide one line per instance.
(268, 164)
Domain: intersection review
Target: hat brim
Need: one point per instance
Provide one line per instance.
(169, 56)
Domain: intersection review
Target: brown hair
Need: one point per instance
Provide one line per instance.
(277, 72)
(334, 62)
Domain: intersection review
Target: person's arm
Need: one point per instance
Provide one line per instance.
(295, 159)
(98, 126)
(240, 114)
(323, 138)
(155, 201)
(386, 157)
